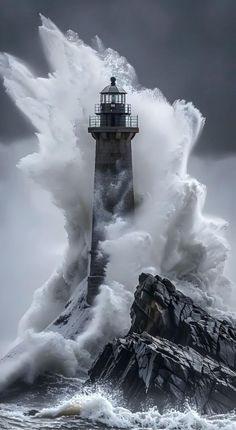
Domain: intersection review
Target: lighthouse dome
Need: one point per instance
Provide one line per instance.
(113, 88)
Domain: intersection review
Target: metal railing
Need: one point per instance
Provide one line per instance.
(124, 122)
(118, 108)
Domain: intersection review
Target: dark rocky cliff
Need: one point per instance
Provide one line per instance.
(174, 352)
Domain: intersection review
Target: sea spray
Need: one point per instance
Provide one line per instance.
(101, 408)
(169, 235)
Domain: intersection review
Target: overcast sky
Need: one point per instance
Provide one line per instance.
(184, 47)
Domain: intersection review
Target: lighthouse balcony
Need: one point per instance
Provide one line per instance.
(113, 108)
(122, 122)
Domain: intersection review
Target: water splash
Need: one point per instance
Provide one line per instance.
(92, 409)
(103, 409)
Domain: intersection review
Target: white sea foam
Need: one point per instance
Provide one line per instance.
(99, 408)
(170, 234)
(105, 410)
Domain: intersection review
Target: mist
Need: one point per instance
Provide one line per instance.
(219, 176)
(32, 239)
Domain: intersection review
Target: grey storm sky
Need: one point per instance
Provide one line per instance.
(184, 47)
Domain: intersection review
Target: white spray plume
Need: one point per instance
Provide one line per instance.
(169, 235)
(110, 316)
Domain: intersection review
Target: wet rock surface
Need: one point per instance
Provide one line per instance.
(174, 352)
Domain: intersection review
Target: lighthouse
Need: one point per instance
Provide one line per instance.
(113, 127)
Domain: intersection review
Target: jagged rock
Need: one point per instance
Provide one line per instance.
(166, 373)
(174, 352)
(160, 310)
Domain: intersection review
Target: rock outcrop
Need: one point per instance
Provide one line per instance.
(174, 352)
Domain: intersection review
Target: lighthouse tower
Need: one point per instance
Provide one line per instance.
(113, 127)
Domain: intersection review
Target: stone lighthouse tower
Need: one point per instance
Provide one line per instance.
(113, 127)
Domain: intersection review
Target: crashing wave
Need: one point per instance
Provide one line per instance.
(170, 235)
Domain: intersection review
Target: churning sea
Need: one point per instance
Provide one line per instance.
(97, 408)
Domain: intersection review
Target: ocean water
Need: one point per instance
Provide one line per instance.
(95, 408)
(171, 236)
